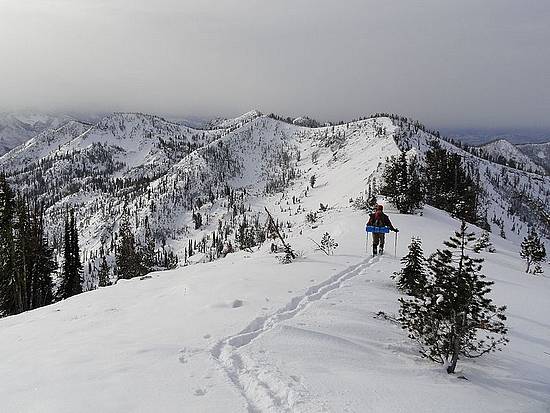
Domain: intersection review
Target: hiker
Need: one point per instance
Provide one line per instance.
(379, 219)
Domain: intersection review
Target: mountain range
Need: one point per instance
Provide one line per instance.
(162, 173)
(240, 331)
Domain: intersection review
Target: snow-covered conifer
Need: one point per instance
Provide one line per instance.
(533, 252)
(104, 271)
(412, 278)
(454, 317)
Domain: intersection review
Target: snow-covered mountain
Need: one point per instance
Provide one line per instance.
(539, 153)
(18, 127)
(502, 151)
(229, 335)
(163, 172)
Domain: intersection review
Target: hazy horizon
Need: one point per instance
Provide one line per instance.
(448, 64)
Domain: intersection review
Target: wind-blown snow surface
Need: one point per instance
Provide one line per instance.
(245, 333)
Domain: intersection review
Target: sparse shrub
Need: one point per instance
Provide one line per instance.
(311, 217)
(289, 255)
(328, 244)
(484, 243)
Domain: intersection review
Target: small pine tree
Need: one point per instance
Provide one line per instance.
(328, 244)
(312, 181)
(289, 255)
(412, 278)
(484, 243)
(449, 316)
(533, 252)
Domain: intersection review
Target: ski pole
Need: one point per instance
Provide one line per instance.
(395, 247)
(367, 244)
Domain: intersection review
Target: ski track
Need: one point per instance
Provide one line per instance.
(264, 387)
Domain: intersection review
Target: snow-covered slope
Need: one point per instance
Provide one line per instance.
(539, 153)
(504, 152)
(164, 172)
(246, 333)
(17, 128)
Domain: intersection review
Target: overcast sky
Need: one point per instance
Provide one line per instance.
(464, 63)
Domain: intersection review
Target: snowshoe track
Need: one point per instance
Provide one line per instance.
(265, 389)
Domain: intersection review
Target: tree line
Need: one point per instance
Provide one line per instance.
(27, 260)
(445, 182)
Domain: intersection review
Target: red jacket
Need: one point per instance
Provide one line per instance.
(383, 217)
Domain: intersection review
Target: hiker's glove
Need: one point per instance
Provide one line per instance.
(396, 229)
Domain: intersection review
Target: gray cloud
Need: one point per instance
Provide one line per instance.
(448, 63)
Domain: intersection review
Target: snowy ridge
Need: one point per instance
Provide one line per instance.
(164, 172)
(17, 128)
(502, 151)
(539, 153)
(229, 335)
(516, 199)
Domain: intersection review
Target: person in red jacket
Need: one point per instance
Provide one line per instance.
(379, 219)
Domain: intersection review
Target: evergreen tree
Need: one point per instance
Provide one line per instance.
(454, 309)
(484, 243)
(8, 281)
(104, 272)
(412, 278)
(414, 190)
(328, 244)
(23, 256)
(533, 252)
(197, 220)
(451, 188)
(148, 254)
(26, 260)
(71, 277)
(45, 264)
(128, 262)
(402, 184)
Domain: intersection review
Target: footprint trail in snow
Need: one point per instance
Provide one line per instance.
(265, 389)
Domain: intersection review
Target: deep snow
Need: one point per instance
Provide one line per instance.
(303, 338)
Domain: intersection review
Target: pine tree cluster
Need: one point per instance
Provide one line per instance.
(71, 274)
(134, 259)
(402, 183)
(451, 187)
(26, 259)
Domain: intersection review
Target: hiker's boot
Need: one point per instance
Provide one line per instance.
(374, 249)
(381, 251)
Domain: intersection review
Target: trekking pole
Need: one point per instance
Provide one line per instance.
(367, 244)
(395, 247)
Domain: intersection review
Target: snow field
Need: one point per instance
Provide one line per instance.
(305, 338)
